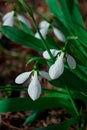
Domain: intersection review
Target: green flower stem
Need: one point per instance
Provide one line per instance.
(43, 40)
(29, 11)
(67, 41)
(72, 101)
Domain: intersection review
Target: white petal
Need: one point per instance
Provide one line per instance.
(43, 32)
(53, 51)
(34, 89)
(71, 61)
(59, 34)
(8, 15)
(22, 77)
(57, 68)
(44, 24)
(45, 75)
(24, 20)
(8, 22)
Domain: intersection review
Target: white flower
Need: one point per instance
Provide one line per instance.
(59, 34)
(44, 26)
(43, 29)
(53, 51)
(58, 67)
(24, 20)
(71, 61)
(43, 32)
(8, 19)
(34, 88)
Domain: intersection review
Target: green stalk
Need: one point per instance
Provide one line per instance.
(67, 41)
(28, 9)
(72, 101)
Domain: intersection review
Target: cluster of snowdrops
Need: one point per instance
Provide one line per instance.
(61, 56)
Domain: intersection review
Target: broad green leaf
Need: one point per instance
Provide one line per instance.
(24, 104)
(81, 72)
(34, 115)
(81, 33)
(25, 28)
(75, 12)
(71, 81)
(37, 59)
(22, 38)
(65, 10)
(50, 92)
(52, 42)
(12, 88)
(61, 126)
(53, 5)
(79, 56)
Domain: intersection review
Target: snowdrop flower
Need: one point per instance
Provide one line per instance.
(43, 29)
(59, 34)
(34, 88)
(57, 68)
(44, 26)
(8, 19)
(24, 20)
(71, 61)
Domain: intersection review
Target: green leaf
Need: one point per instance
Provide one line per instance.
(12, 88)
(81, 72)
(75, 12)
(25, 28)
(71, 81)
(34, 115)
(38, 59)
(65, 10)
(22, 38)
(50, 40)
(53, 5)
(61, 126)
(24, 104)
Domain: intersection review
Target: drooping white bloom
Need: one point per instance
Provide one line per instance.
(43, 29)
(22, 77)
(34, 88)
(8, 15)
(43, 32)
(71, 61)
(45, 75)
(59, 34)
(53, 51)
(24, 20)
(8, 19)
(58, 67)
(44, 26)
